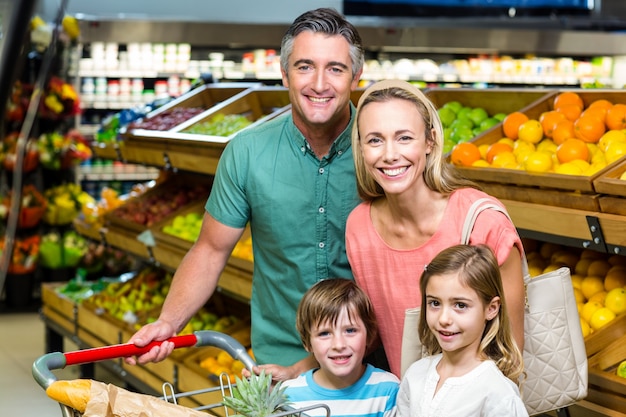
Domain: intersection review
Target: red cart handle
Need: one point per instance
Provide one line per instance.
(123, 350)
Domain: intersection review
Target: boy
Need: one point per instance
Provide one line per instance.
(337, 325)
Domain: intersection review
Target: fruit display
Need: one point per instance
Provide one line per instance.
(160, 202)
(64, 203)
(220, 125)
(621, 369)
(129, 301)
(599, 280)
(61, 250)
(243, 249)
(572, 137)
(167, 119)
(463, 123)
(221, 363)
(185, 226)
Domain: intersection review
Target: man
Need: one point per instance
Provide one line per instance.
(293, 179)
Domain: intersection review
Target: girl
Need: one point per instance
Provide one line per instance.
(474, 364)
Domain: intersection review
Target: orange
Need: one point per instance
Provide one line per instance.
(616, 300)
(600, 103)
(615, 278)
(568, 97)
(590, 285)
(572, 149)
(570, 111)
(582, 266)
(497, 148)
(589, 129)
(549, 121)
(601, 318)
(616, 117)
(465, 154)
(563, 130)
(511, 124)
(599, 267)
(599, 297)
(597, 112)
(531, 131)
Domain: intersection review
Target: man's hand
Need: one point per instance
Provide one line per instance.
(157, 331)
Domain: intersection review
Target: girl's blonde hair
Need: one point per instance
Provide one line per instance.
(326, 300)
(438, 174)
(477, 268)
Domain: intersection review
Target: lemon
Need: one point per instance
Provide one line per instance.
(615, 300)
(481, 163)
(578, 295)
(530, 131)
(576, 280)
(568, 168)
(582, 266)
(508, 141)
(601, 318)
(547, 145)
(589, 308)
(504, 160)
(610, 137)
(615, 151)
(483, 150)
(538, 161)
(590, 285)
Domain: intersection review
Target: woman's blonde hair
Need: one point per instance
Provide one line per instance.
(477, 268)
(438, 174)
(326, 300)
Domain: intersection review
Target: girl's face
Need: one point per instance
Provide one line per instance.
(456, 315)
(339, 349)
(393, 144)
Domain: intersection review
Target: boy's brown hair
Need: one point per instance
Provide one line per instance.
(325, 301)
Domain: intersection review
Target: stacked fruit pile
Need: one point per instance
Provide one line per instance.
(571, 139)
(463, 123)
(599, 280)
(167, 119)
(220, 125)
(223, 363)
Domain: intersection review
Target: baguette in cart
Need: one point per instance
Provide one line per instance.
(96, 399)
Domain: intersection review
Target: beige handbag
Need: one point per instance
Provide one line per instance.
(555, 360)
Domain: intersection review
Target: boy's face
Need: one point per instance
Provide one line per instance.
(339, 349)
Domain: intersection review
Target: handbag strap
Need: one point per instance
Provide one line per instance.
(475, 209)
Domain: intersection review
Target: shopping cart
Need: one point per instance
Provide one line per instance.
(44, 365)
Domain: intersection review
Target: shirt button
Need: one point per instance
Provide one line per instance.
(321, 209)
(339, 152)
(321, 170)
(321, 245)
(303, 149)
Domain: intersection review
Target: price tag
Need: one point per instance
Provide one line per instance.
(147, 238)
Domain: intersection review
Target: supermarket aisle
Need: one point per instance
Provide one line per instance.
(21, 343)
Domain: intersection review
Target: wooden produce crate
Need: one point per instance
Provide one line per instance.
(59, 308)
(499, 100)
(600, 339)
(138, 146)
(580, 183)
(160, 198)
(605, 387)
(98, 329)
(612, 189)
(107, 150)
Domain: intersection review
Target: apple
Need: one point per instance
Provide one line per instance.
(478, 115)
(455, 106)
(621, 369)
(487, 124)
(447, 116)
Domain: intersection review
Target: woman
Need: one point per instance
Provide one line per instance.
(414, 206)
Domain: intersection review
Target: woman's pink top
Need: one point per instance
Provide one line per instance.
(391, 276)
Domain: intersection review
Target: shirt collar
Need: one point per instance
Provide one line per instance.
(341, 144)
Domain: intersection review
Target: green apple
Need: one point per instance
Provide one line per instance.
(488, 123)
(499, 116)
(464, 113)
(621, 369)
(478, 115)
(455, 106)
(446, 115)
(462, 134)
(448, 145)
(462, 122)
